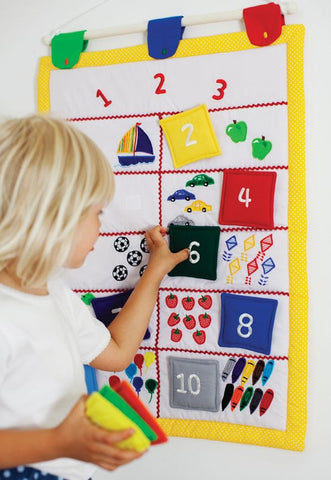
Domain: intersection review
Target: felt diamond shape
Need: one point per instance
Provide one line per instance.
(247, 322)
(231, 242)
(190, 136)
(248, 198)
(203, 244)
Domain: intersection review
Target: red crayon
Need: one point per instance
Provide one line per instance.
(266, 401)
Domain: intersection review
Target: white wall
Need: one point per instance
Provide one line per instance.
(22, 24)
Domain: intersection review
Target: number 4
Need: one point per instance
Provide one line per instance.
(244, 199)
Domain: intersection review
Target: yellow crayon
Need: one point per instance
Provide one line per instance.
(248, 370)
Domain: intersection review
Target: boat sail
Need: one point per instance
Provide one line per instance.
(135, 147)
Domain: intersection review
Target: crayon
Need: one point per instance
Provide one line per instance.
(258, 394)
(238, 368)
(228, 368)
(228, 392)
(266, 401)
(259, 367)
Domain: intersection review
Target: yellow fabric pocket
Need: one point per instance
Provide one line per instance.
(190, 136)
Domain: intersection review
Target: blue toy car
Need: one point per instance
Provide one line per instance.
(181, 195)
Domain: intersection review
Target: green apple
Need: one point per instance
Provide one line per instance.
(261, 147)
(237, 131)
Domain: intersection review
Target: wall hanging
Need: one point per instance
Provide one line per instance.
(206, 136)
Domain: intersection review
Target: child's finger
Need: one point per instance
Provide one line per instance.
(182, 255)
(157, 234)
(148, 239)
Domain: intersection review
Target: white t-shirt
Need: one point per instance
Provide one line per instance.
(45, 340)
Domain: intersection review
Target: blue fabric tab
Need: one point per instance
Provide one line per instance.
(163, 36)
(90, 379)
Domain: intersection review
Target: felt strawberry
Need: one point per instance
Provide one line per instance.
(188, 302)
(204, 320)
(205, 301)
(176, 334)
(189, 322)
(173, 319)
(171, 300)
(199, 336)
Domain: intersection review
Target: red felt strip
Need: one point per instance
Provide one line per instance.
(126, 392)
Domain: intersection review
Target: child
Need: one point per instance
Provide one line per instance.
(54, 182)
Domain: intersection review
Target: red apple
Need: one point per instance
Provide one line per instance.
(173, 319)
(204, 320)
(205, 302)
(171, 300)
(176, 335)
(189, 322)
(199, 336)
(188, 302)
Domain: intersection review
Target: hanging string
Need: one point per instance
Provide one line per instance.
(58, 29)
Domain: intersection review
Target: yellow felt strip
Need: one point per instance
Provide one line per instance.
(106, 415)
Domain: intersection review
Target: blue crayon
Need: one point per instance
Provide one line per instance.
(267, 371)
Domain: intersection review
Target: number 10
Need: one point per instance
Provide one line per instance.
(193, 391)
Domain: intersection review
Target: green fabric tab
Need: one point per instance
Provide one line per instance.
(203, 244)
(114, 398)
(67, 47)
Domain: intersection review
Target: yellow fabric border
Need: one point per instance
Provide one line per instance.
(293, 438)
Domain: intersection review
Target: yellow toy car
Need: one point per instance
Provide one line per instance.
(198, 206)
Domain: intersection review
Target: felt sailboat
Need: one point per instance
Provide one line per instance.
(135, 147)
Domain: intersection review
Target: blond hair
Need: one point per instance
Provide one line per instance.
(50, 174)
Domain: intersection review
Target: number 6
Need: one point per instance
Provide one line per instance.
(194, 256)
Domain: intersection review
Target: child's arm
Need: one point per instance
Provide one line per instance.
(129, 327)
(75, 437)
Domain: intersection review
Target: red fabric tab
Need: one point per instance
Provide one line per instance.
(131, 398)
(263, 23)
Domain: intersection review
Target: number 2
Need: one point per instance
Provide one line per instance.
(190, 128)
(159, 90)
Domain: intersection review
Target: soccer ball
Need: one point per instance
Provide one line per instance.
(143, 245)
(134, 258)
(143, 268)
(120, 273)
(121, 244)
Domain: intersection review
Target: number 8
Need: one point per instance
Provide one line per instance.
(247, 325)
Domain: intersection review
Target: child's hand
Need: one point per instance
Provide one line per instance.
(161, 259)
(78, 438)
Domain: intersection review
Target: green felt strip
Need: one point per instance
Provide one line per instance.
(114, 398)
